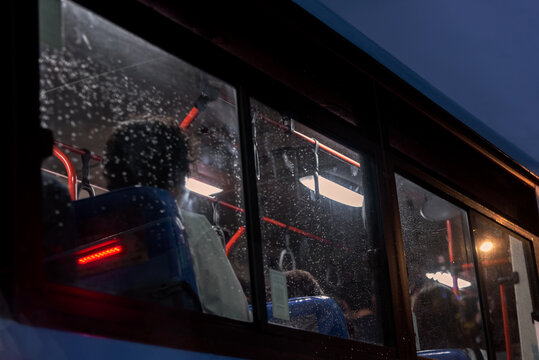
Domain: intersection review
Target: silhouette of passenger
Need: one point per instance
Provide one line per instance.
(361, 315)
(155, 152)
(437, 310)
(147, 152)
(302, 283)
(440, 321)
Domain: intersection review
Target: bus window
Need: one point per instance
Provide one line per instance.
(147, 166)
(442, 280)
(318, 230)
(505, 262)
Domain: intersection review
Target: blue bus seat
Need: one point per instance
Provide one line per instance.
(131, 242)
(444, 354)
(315, 313)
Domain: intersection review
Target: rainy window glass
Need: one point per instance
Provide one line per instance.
(318, 228)
(142, 197)
(442, 279)
(505, 260)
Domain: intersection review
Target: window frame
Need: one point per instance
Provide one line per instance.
(342, 132)
(411, 171)
(533, 280)
(57, 307)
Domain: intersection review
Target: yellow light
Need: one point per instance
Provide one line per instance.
(486, 246)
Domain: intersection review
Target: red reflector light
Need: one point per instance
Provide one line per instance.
(100, 255)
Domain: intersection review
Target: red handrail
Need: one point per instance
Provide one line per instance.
(189, 118)
(208, 95)
(192, 115)
(450, 241)
(77, 150)
(276, 223)
(70, 169)
(486, 263)
(452, 257)
(311, 140)
(506, 328)
(72, 175)
(234, 239)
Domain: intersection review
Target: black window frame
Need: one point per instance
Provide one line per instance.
(344, 133)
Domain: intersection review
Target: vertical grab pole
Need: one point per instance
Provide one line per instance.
(452, 257)
(506, 330)
(70, 169)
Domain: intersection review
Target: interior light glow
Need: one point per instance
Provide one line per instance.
(100, 255)
(446, 279)
(201, 188)
(334, 191)
(486, 246)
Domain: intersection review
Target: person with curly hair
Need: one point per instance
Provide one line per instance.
(153, 151)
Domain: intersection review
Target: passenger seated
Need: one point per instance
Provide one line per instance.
(361, 315)
(439, 324)
(302, 283)
(436, 310)
(309, 309)
(155, 152)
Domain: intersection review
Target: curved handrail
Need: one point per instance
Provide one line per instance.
(70, 169)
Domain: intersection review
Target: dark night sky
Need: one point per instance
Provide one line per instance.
(478, 60)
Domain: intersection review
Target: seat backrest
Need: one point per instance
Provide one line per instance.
(58, 217)
(315, 313)
(444, 354)
(131, 242)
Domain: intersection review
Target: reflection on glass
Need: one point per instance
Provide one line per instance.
(486, 246)
(163, 135)
(441, 275)
(318, 231)
(506, 269)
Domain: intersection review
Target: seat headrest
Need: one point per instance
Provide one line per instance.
(329, 317)
(120, 210)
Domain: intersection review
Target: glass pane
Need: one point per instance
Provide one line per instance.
(147, 224)
(505, 261)
(441, 274)
(318, 229)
